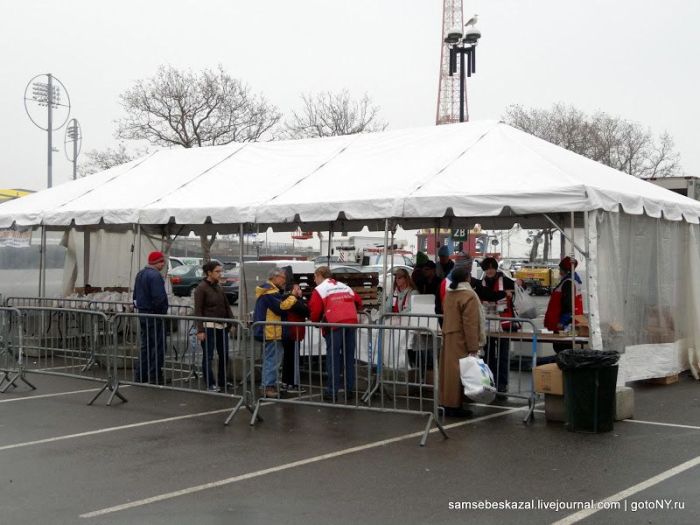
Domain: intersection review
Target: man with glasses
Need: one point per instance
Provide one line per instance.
(270, 305)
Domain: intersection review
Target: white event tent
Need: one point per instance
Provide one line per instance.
(641, 242)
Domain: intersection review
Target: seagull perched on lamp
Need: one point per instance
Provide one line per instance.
(472, 21)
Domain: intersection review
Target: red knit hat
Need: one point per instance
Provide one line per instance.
(567, 262)
(155, 257)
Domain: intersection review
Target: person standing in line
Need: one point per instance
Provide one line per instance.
(271, 304)
(210, 301)
(336, 302)
(150, 298)
(292, 336)
(496, 294)
(462, 331)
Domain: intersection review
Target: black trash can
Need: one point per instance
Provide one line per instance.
(590, 380)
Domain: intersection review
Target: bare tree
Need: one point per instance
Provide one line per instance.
(99, 160)
(182, 108)
(621, 144)
(329, 114)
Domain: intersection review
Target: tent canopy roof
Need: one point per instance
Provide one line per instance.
(471, 170)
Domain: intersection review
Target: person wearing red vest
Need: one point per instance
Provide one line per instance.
(496, 294)
(558, 315)
(335, 302)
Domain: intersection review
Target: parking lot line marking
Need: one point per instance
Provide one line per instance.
(639, 487)
(674, 425)
(643, 422)
(286, 466)
(112, 429)
(42, 396)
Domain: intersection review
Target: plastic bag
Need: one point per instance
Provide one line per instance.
(192, 335)
(477, 379)
(572, 358)
(525, 307)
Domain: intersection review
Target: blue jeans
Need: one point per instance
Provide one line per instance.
(272, 358)
(498, 358)
(153, 335)
(215, 339)
(340, 349)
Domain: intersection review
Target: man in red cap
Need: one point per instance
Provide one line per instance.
(151, 298)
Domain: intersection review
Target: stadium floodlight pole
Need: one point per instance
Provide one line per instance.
(49, 106)
(464, 45)
(47, 94)
(73, 135)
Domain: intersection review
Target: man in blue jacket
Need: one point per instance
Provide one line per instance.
(150, 298)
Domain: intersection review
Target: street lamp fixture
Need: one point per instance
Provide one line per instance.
(463, 44)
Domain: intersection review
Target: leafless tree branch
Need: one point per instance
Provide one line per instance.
(613, 141)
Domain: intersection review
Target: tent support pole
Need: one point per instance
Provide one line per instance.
(330, 240)
(436, 239)
(568, 238)
(242, 292)
(385, 292)
(587, 302)
(86, 260)
(573, 281)
(42, 262)
(138, 246)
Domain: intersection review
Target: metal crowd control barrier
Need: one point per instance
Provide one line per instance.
(163, 351)
(65, 341)
(353, 355)
(11, 356)
(48, 302)
(108, 307)
(117, 307)
(501, 332)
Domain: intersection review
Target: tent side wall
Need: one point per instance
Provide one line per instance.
(648, 301)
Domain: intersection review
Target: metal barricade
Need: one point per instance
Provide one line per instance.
(117, 307)
(163, 351)
(512, 371)
(48, 302)
(325, 353)
(111, 307)
(66, 341)
(11, 356)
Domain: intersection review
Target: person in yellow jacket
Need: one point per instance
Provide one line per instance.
(270, 305)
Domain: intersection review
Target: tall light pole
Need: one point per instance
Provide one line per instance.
(464, 45)
(46, 92)
(73, 134)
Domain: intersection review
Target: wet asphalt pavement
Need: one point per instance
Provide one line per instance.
(61, 459)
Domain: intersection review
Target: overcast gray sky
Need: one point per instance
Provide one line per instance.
(633, 58)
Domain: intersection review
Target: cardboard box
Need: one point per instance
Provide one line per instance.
(581, 325)
(554, 408)
(549, 380)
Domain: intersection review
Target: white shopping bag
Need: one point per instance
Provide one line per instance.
(477, 379)
(525, 307)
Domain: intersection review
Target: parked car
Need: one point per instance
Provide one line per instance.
(342, 268)
(184, 279)
(325, 260)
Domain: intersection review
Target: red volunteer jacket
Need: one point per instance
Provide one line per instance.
(334, 302)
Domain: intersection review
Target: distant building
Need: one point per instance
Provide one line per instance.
(8, 195)
(688, 186)
(10, 237)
